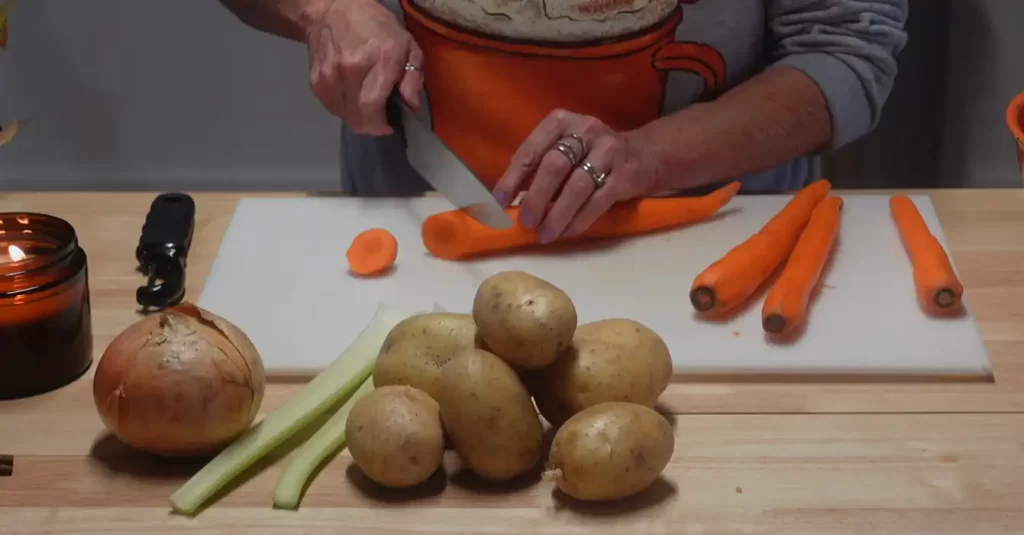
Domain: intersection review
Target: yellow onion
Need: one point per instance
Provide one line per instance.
(180, 382)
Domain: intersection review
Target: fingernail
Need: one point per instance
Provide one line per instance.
(500, 197)
(526, 219)
(546, 236)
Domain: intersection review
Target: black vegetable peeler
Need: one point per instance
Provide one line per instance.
(163, 250)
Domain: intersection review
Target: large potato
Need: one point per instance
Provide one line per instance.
(418, 347)
(395, 436)
(489, 416)
(525, 320)
(610, 451)
(610, 360)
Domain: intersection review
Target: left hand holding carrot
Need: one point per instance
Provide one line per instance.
(580, 167)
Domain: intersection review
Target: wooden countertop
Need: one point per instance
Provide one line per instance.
(818, 460)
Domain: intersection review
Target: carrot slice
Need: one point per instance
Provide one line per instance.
(938, 289)
(453, 235)
(785, 308)
(732, 279)
(372, 251)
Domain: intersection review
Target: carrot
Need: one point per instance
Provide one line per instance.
(785, 308)
(453, 235)
(732, 279)
(939, 291)
(372, 251)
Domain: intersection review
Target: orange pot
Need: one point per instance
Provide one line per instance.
(486, 95)
(1015, 120)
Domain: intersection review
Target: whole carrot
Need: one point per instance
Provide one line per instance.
(938, 289)
(732, 279)
(785, 308)
(453, 235)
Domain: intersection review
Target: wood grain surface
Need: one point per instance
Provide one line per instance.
(804, 459)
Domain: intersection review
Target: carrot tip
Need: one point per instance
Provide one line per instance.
(944, 298)
(703, 298)
(773, 324)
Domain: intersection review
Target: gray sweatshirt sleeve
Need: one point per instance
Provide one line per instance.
(849, 48)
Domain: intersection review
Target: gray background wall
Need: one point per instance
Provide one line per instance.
(156, 95)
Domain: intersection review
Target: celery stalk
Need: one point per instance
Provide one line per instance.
(327, 441)
(330, 386)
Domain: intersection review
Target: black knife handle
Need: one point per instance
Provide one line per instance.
(168, 229)
(163, 249)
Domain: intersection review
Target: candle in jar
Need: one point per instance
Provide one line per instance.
(45, 321)
(12, 253)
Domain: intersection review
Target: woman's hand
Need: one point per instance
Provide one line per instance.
(358, 53)
(580, 167)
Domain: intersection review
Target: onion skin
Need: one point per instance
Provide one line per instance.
(180, 382)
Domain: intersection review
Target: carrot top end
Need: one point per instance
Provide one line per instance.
(773, 324)
(703, 298)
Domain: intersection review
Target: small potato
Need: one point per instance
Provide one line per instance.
(611, 360)
(418, 347)
(525, 320)
(395, 436)
(610, 451)
(489, 416)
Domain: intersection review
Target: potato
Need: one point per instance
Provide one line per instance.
(489, 416)
(395, 437)
(610, 451)
(525, 320)
(610, 360)
(418, 347)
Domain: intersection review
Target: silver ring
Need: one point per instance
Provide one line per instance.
(411, 67)
(583, 144)
(568, 151)
(599, 178)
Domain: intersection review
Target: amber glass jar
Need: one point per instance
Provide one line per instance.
(45, 321)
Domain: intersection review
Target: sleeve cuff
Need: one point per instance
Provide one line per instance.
(848, 105)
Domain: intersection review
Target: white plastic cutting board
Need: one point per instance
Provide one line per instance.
(281, 275)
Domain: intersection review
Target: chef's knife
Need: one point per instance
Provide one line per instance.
(445, 171)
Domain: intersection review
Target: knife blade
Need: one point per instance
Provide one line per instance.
(444, 170)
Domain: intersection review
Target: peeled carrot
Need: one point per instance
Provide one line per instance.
(785, 308)
(732, 279)
(939, 291)
(453, 235)
(372, 251)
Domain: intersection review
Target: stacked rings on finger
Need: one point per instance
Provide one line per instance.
(565, 147)
(568, 151)
(599, 178)
(411, 67)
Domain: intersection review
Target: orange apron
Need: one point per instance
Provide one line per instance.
(487, 95)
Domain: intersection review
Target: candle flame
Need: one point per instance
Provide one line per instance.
(15, 253)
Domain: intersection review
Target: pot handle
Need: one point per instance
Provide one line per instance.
(695, 58)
